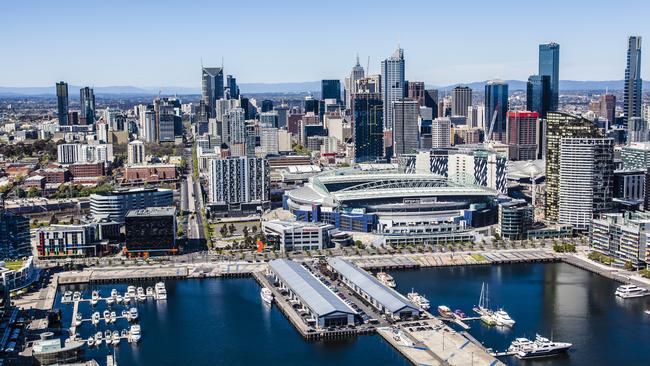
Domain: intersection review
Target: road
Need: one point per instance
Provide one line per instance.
(192, 198)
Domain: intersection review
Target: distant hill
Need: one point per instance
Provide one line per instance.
(297, 87)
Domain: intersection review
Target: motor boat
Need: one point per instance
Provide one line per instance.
(119, 299)
(418, 300)
(135, 333)
(150, 292)
(542, 347)
(67, 297)
(76, 296)
(107, 337)
(78, 319)
(445, 311)
(125, 314)
(95, 318)
(141, 295)
(386, 279)
(133, 313)
(110, 301)
(94, 298)
(501, 317)
(107, 316)
(98, 338)
(161, 291)
(460, 314)
(266, 295)
(630, 291)
(90, 341)
(116, 337)
(113, 317)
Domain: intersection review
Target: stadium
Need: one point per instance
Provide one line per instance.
(370, 199)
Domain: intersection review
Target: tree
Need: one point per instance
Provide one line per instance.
(245, 231)
(20, 193)
(32, 192)
(232, 228)
(54, 220)
(254, 229)
(224, 231)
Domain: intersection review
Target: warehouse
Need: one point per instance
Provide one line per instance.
(383, 298)
(324, 307)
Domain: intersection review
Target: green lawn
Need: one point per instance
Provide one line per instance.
(13, 265)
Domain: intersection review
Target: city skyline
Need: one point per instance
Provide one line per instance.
(464, 54)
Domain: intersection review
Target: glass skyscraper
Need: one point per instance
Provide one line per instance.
(331, 89)
(496, 101)
(62, 102)
(392, 79)
(368, 127)
(633, 84)
(549, 64)
(87, 101)
(538, 94)
(211, 87)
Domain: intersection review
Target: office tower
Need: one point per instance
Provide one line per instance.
(62, 102)
(269, 119)
(283, 115)
(549, 64)
(431, 101)
(136, 152)
(538, 94)
(250, 137)
(370, 84)
(637, 130)
(476, 116)
(115, 204)
(461, 98)
(496, 101)
(238, 180)
(233, 128)
(331, 89)
(211, 87)
(150, 127)
(87, 105)
(267, 105)
(632, 96)
(356, 74)
(415, 91)
(102, 131)
(368, 114)
(15, 238)
(231, 87)
(223, 106)
(586, 180)
(312, 105)
(69, 153)
(269, 141)
(521, 135)
(405, 129)
(441, 132)
(608, 108)
(247, 106)
(392, 80)
(558, 126)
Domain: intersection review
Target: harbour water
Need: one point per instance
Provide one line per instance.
(224, 322)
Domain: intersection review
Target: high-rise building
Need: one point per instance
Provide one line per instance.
(392, 79)
(521, 135)
(367, 111)
(431, 100)
(233, 128)
(549, 64)
(283, 115)
(476, 116)
(250, 139)
(586, 180)
(211, 87)
(356, 74)
(496, 101)
(461, 98)
(238, 180)
(231, 88)
(267, 105)
(269, 141)
(149, 126)
(538, 94)
(637, 130)
(87, 103)
(405, 129)
(608, 108)
(331, 89)
(632, 96)
(115, 204)
(415, 91)
(135, 152)
(558, 126)
(62, 102)
(14, 235)
(441, 132)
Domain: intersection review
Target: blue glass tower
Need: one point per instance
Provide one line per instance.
(331, 89)
(549, 64)
(496, 101)
(368, 127)
(538, 94)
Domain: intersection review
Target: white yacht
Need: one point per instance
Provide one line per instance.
(161, 291)
(67, 297)
(135, 333)
(76, 296)
(107, 316)
(386, 279)
(113, 317)
(501, 317)
(119, 299)
(133, 314)
(130, 291)
(267, 295)
(90, 342)
(94, 298)
(98, 338)
(116, 337)
(541, 347)
(630, 291)
(141, 295)
(419, 300)
(150, 292)
(95, 318)
(107, 337)
(77, 320)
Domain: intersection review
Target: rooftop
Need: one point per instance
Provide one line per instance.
(153, 211)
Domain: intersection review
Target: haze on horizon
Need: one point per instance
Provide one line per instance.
(161, 43)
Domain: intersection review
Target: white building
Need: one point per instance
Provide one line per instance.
(269, 140)
(392, 78)
(136, 153)
(441, 132)
(291, 236)
(237, 180)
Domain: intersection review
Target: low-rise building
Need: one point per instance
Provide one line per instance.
(515, 218)
(57, 241)
(23, 274)
(86, 170)
(623, 237)
(151, 173)
(290, 236)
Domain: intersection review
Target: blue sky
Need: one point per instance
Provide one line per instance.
(161, 43)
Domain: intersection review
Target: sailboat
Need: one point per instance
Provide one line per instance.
(488, 316)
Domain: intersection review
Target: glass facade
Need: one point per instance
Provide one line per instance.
(549, 64)
(368, 127)
(331, 89)
(538, 94)
(496, 101)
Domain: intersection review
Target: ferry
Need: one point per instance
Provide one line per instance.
(539, 348)
(445, 311)
(135, 333)
(501, 317)
(418, 300)
(267, 295)
(386, 279)
(161, 291)
(94, 298)
(630, 291)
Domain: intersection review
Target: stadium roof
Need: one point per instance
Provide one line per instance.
(388, 298)
(313, 293)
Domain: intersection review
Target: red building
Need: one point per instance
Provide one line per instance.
(86, 170)
(521, 135)
(54, 175)
(150, 173)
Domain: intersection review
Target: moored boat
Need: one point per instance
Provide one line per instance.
(386, 279)
(445, 311)
(134, 333)
(541, 347)
(266, 295)
(630, 291)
